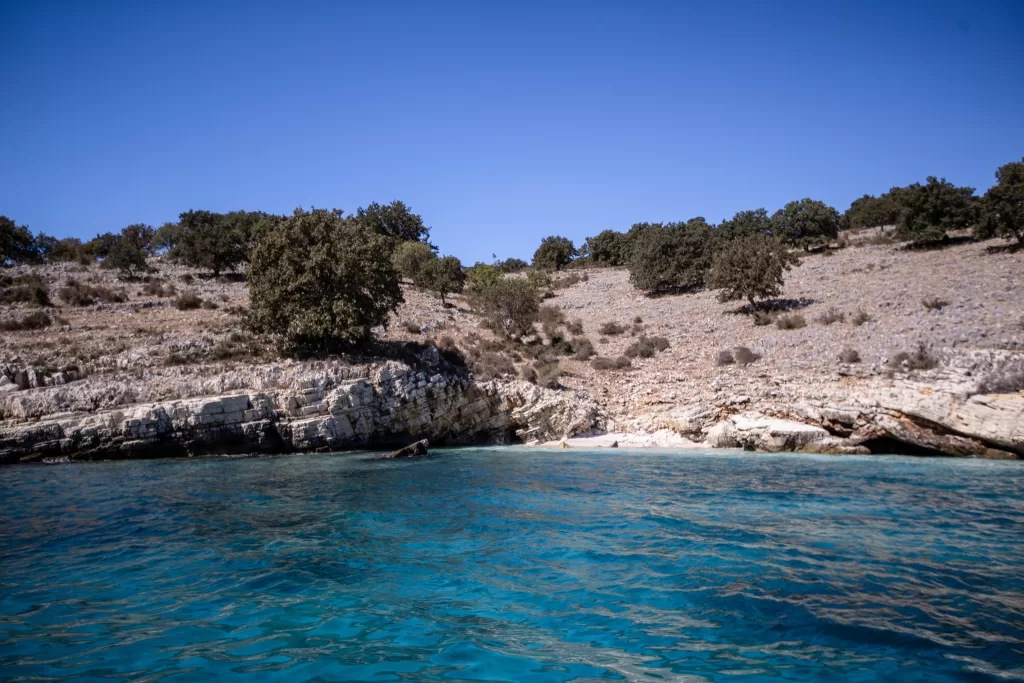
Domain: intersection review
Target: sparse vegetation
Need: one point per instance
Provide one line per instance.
(611, 328)
(583, 349)
(28, 289)
(934, 303)
(411, 328)
(76, 293)
(744, 356)
(849, 356)
(724, 357)
(793, 321)
(604, 363)
(920, 359)
(32, 321)
(832, 315)
(860, 317)
(188, 301)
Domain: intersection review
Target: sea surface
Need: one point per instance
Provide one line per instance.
(511, 564)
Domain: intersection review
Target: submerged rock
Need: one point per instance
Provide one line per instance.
(411, 451)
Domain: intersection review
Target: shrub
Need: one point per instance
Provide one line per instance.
(17, 245)
(319, 281)
(934, 303)
(932, 209)
(830, 316)
(209, 305)
(139, 236)
(670, 258)
(205, 241)
(1005, 377)
(75, 293)
(394, 221)
(806, 223)
(550, 315)
(125, 257)
(412, 328)
(554, 253)
(603, 363)
(660, 343)
(920, 359)
(575, 327)
(28, 289)
(442, 275)
(608, 248)
(849, 356)
(1002, 207)
(511, 265)
(860, 317)
(642, 348)
(410, 257)
(188, 301)
(751, 268)
(763, 318)
(583, 348)
(872, 212)
(549, 372)
(188, 278)
(611, 328)
(510, 304)
(745, 356)
(158, 288)
(32, 321)
(490, 365)
(567, 281)
(793, 321)
(724, 357)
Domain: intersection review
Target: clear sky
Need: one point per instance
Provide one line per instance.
(499, 122)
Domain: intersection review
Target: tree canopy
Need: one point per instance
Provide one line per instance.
(394, 220)
(16, 243)
(806, 223)
(1003, 205)
(207, 241)
(608, 248)
(751, 267)
(873, 212)
(929, 211)
(320, 282)
(672, 257)
(442, 275)
(554, 253)
(410, 257)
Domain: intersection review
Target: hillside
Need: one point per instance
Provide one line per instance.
(144, 348)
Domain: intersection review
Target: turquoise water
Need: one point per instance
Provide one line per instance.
(506, 564)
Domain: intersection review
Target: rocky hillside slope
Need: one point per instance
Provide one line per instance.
(127, 368)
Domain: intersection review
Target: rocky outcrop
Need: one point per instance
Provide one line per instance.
(413, 450)
(393, 405)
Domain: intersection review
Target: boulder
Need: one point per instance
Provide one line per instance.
(411, 451)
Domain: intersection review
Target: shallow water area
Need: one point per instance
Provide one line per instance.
(514, 564)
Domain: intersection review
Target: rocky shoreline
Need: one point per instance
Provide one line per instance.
(304, 408)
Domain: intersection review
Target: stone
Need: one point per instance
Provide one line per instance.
(412, 450)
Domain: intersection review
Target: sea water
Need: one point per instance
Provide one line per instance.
(514, 565)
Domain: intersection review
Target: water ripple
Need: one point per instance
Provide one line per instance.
(506, 564)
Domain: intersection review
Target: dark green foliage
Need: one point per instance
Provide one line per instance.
(319, 281)
(1002, 207)
(166, 237)
(481, 277)
(125, 257)
(394, 221)
(671, 258)
(442, 275)
(32, 321)
(873, 212)
(806, 223)
(930, 210)
(16, 243)
(751, 268)
(745, 224)
(205, 241)
(554, 253)
(511, 305)
(511, 265)
(67, 249)
(140, 236)
(99, 246)
(608, 248)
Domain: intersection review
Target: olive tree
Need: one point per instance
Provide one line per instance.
(442, 275)
(750, 267)
(806, 223)
(554, 253)
(320, 282)
(140, 236)
(125, 256)
(1002, 206)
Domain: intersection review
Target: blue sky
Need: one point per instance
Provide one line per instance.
(499, 122)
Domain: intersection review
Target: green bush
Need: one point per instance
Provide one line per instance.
(807, 223)
(124, 256)
(28, 289)
(442, 275)
(1002, 207)
(410, 257)
(608, 248)
(32, 321)
(873, 212)
(929, 211)
(205, 241)
(671, 258)
(554, 253)
(319, 281)
(750, 267)
(511, 305)
(511, 265)
(394, 221)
